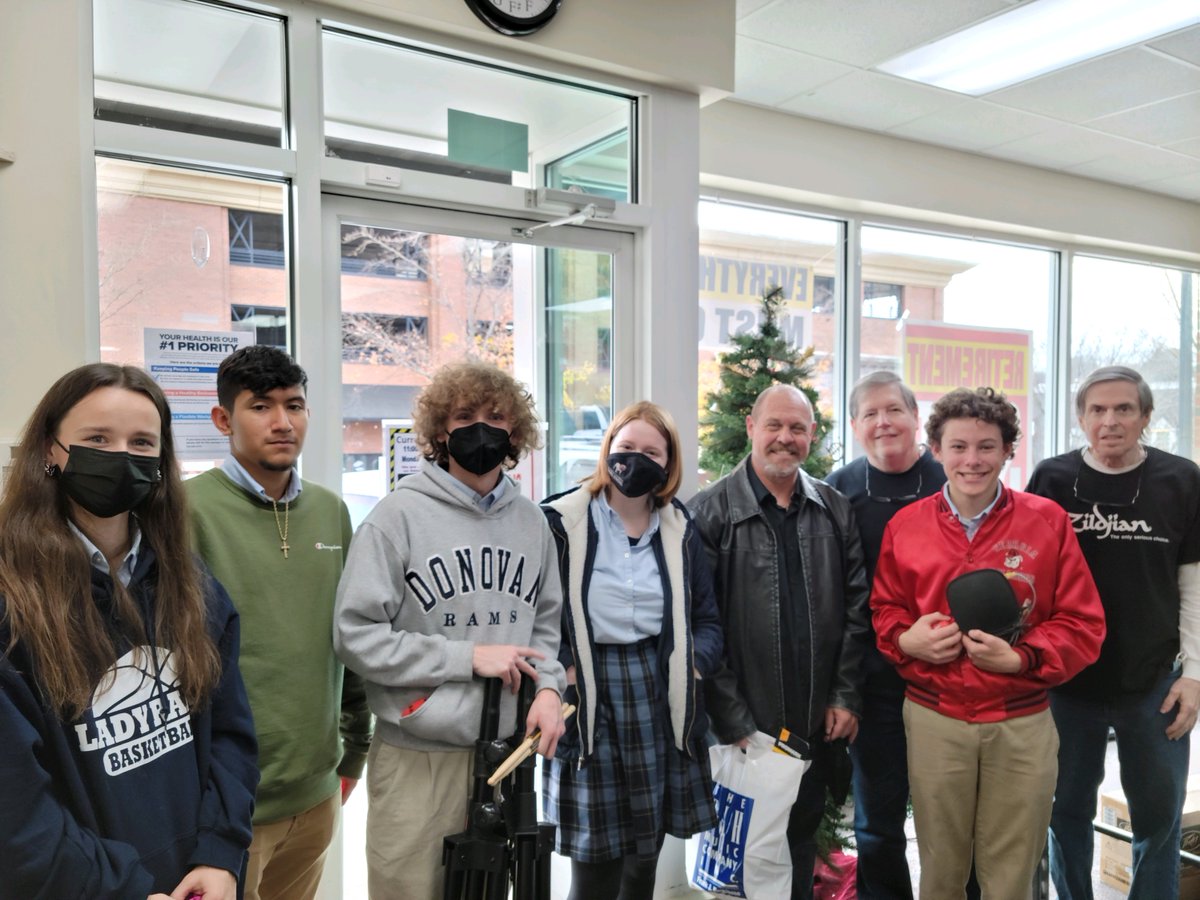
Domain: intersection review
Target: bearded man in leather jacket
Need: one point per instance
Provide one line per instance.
(791, 586)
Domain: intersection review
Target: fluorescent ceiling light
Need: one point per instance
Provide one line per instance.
(1036, 38)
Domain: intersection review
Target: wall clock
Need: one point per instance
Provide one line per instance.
(515, 17)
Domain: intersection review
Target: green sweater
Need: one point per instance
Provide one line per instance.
(296, 686)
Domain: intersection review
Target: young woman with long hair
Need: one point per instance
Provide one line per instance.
(640, 628)
(128, 764)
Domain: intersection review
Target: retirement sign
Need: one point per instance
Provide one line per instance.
(939, 357)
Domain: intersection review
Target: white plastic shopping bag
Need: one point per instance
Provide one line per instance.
(747, 855)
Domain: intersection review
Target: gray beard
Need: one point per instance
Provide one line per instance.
(786, 470)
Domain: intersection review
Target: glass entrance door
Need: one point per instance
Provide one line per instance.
(418, 288)
(409, 289)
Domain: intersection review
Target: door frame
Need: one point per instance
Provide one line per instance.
(318, 331)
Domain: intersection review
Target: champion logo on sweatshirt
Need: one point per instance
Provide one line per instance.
(137, 712)
(469, 570)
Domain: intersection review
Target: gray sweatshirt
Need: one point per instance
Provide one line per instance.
(429, 576)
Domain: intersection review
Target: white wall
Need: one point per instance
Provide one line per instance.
(47, 231)
(685, 44)
(749, 148)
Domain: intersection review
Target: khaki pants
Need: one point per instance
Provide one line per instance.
(985, 788)
(287, 857)
(414, 800)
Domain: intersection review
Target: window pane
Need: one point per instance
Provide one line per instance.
(411, 302)
(1131, 315)
(402, 107)
(601, 168)
(746, 251)
(947, 312)
(187, 66)
(578, 363)
(169, 259)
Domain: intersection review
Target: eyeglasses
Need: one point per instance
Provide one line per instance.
(902, 498)
(1106, 490)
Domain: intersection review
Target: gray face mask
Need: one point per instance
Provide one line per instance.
(107, 483)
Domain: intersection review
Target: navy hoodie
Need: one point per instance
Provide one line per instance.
(126, 799)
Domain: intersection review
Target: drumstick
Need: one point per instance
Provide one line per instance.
(524, 749)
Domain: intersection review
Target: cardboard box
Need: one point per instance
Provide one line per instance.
(1116, 863)
(1116, 869)
(1116, 855)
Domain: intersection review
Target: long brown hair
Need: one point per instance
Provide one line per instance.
(45, 575)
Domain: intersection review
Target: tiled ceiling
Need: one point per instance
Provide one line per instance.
(1131, 117)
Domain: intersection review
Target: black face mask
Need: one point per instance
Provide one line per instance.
(635, 474)
(478, 448)
(108, 482)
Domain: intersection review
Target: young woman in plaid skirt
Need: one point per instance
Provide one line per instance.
(640, 629)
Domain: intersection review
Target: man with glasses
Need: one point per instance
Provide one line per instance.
(895, 471)
(1136, 512)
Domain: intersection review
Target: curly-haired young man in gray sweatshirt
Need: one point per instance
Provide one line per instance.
(451, 578)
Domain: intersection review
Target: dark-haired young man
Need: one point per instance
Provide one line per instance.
(278, 544)
(981, 741)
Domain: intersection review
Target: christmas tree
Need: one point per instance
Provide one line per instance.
(758, 360)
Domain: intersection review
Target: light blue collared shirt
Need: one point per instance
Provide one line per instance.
(625, 596)
(238, 475)
(100, 562)
(483, 501)
(972, 524)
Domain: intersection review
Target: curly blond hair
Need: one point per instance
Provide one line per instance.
(472, 384)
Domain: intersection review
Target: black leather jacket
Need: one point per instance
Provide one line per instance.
(749, 692)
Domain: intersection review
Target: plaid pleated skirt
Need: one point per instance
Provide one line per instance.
(636, 786)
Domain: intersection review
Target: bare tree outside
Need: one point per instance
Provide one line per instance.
(1147, 339)
(473, 303)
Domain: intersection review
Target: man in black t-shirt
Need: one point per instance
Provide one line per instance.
(1136, 512)
(895, 471)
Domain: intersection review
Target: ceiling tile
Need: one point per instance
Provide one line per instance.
(1191, 148)
(1059, 147)
(973, 125)
(1182, 44)
(745, 7)
(869, 100)
(1165, 122)
(1138, 165)
(1099, 87)
(862, 32)
(769, 74)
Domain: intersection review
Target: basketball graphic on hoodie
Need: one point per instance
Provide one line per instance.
(137, 712)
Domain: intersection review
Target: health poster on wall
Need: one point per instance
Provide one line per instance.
(939, 357)
(184, 363)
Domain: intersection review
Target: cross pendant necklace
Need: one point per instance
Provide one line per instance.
(282, 529)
